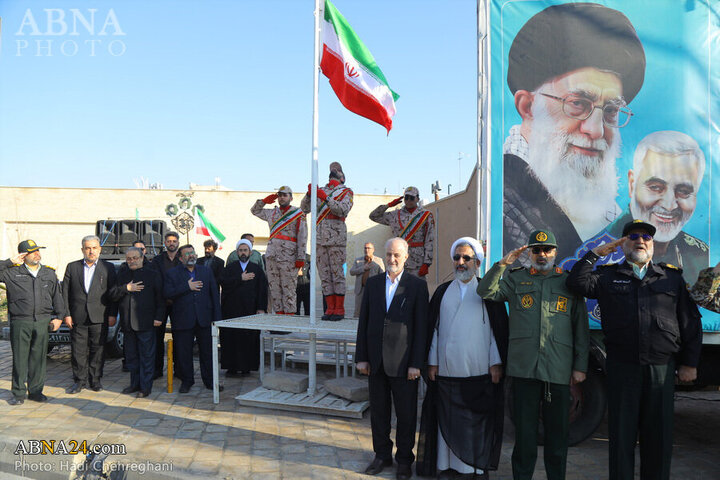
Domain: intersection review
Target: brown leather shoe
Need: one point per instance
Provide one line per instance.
(377, 466)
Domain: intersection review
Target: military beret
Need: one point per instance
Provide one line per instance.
(567, 37)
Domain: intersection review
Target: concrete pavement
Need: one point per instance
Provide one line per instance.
(172, 435)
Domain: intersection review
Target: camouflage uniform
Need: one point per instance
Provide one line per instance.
(705, 291)
(332, 239)
(420, 244)
(282, 252)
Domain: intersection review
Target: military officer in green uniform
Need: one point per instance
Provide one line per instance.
(652, 328)
(34, 301)
(548, 350)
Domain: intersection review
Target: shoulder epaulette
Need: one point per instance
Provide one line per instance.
(605, 265)
(51, 268)
(670, 266)
(516, 269)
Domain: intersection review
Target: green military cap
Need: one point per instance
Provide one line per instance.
(542, 237)
(639, 224)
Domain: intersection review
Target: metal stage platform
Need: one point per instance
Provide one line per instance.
(316, 399)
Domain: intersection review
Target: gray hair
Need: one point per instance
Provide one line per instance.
(134, 249)
(397, 239)
(89, 238)
(669, 142)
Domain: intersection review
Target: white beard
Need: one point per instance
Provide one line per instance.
(584, 187)
(665, 231)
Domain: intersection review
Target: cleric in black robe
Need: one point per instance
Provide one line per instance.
(466, 352)
(244, 292)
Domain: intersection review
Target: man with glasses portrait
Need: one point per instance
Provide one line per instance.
(572, 70)
(547, 350)
(413, 224)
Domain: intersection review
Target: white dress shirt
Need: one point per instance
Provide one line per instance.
(89, 271)
(390, 287)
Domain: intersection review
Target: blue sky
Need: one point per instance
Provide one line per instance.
(182, 91)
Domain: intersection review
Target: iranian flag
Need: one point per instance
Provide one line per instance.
(354, 76)
(203, 226)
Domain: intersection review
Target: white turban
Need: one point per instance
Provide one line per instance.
(474, 244)
(244, 241)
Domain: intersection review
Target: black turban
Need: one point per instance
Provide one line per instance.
(567, 37)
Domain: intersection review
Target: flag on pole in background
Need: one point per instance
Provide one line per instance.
(354, 76)
(203, 226)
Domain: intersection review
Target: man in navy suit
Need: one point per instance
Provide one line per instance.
(86, 292)
(390, 349)
(194, 293)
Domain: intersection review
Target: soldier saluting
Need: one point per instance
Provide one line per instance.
(334, 203)
(413, 224)
(285, 252)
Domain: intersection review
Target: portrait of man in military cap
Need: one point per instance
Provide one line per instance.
(573, 69)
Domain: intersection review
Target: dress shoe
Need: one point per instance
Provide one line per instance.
(97, 387)
(185, 387)
(143, 394)
(377, 466)
(448, 474)
(37, 397)
(220, 387)
(404, 472)
(15, 401)
(130, 389)
(76, 388)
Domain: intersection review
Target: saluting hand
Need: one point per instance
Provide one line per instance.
(18, 259)
(195, 286)
(608, 248)
(511, 257)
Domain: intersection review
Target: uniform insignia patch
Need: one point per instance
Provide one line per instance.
(526, 283)
(561, 304)
(541, 237)
(527, 301)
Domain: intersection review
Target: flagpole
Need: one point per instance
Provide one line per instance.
(483, 105)
(313, 205)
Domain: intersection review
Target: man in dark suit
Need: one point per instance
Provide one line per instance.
(196, 305)
(139, 291)
(390, 349)
(162, 263)
(86, 292)
(211, 260)
(244, 292)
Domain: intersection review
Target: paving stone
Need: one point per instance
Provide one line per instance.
(352, 389)
(286, 382)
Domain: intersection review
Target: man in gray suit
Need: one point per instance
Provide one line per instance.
(364, 268)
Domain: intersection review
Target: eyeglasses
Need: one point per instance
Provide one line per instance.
(467, 258)
(410, 197)
(546, 249)
(645, 236)
(615, 113)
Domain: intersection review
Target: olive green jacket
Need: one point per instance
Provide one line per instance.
(548, 323)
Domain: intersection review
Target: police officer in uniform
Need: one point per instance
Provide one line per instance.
(547, 351)
(334, 203)
(652, 328)
(34, 300)
(412, 223)
(285, 253)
